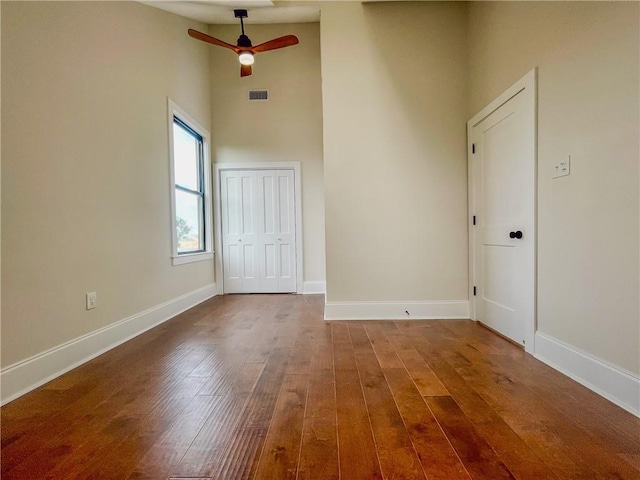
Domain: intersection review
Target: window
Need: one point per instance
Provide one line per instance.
(189, 192)
(190, 188)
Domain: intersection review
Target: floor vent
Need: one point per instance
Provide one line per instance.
(258, 95)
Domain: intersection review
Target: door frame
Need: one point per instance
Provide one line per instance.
(297, 185)
(528, 82)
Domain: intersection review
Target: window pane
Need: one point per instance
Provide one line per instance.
(189, 222)
(185, 153)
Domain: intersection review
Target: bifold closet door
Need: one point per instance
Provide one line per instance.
(258, 231)
(238, 191)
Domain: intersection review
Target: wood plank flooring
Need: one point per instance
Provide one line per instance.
(260, 387)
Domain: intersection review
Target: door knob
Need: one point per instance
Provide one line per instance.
(516, 234)
(241, 239)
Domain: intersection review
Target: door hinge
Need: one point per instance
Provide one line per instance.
(474, 219)
(473, 148)
(475, 290)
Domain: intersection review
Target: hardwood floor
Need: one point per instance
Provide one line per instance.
(259, 386)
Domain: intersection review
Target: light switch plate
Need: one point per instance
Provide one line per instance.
(562, 168)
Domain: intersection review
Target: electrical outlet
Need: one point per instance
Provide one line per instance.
(92, 300)
(562, 168)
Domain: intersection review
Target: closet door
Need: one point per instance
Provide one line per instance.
(277, 235)
(258, 231)
(238, 190)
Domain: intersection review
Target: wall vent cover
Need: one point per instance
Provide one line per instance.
(258, 95)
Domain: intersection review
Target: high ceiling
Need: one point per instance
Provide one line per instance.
(260, 11)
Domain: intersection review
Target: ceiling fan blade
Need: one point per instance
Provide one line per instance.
(245, 70)
(276, 43)
(209, 39)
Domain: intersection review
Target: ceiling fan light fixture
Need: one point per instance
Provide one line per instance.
(246, 58)
(244, 49)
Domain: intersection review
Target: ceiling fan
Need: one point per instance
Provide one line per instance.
(244, 49)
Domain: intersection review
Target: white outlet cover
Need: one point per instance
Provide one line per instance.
(562, 168)
(92, 300)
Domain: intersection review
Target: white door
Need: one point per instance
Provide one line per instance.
(258, 231)
(276, 227)
(503, 204)
(238, 191)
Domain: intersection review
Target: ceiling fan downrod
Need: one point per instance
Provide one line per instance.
(243, 40)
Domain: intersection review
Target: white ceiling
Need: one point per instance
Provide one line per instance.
(260, 11)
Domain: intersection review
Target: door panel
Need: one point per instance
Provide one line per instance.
(231, 221)
(285, 203)
(231, 215)
(503, 197)
(270, 261)
(285, 263)
(239, 203)
(286, 237)
(249, 264)
(248, 204)
(267, 221)
(234, 262)
(498, 285)
(269, 204)
(501, 175)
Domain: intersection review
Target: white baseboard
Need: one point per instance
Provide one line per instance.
(29, 374)
(613, 383)
(396, 310)
(314, 287)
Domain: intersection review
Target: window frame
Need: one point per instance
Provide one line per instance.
(199, 192)
(185, 121)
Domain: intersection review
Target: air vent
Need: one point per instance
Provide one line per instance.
(258, 95)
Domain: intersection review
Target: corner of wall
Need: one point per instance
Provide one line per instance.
(27, 375)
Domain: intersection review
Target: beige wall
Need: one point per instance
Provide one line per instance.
(286, 128)
(395, 107)
(85, 198)
(85, 180)
(588, 228)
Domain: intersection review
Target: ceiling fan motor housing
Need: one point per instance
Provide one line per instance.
(243, 41)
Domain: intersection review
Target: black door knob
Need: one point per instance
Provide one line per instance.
(517, 234)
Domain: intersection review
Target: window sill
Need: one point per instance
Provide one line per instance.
(192, 257)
